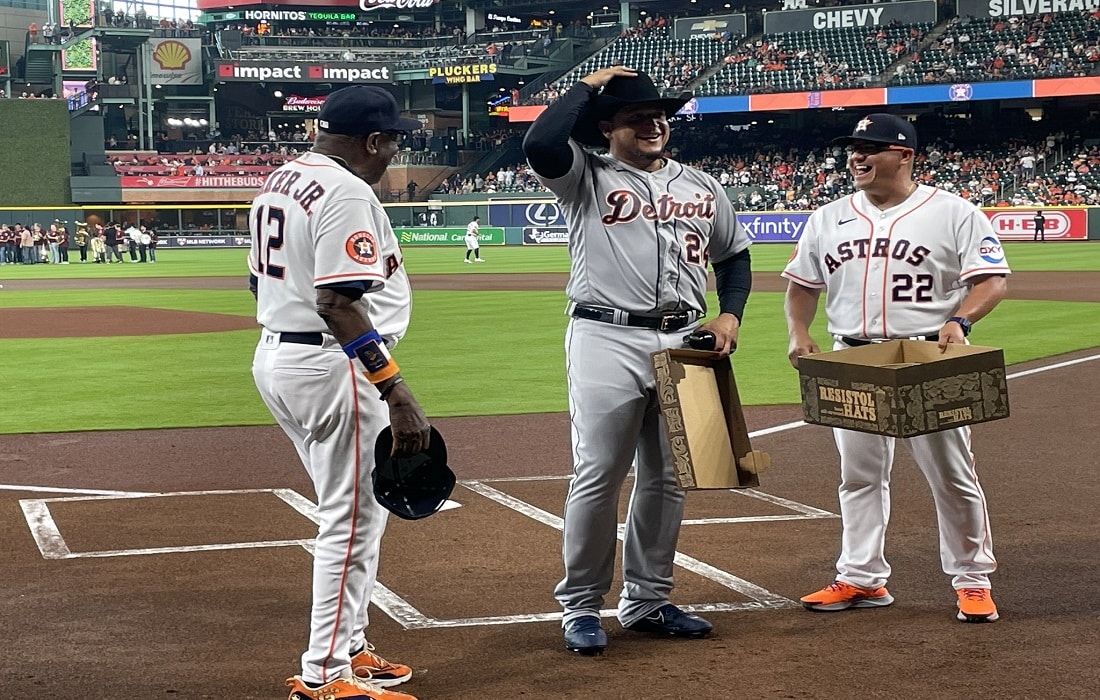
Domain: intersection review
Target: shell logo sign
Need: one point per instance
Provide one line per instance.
(175, 61)
(1019, 224)
(172, 55)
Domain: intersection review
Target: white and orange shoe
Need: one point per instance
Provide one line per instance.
(976, 605)
(841, 596)
(372, 667)
(344, 688)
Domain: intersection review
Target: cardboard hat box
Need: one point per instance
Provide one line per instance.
(903, 388)
(704, 423)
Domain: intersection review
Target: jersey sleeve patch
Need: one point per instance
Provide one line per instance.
(362, 248)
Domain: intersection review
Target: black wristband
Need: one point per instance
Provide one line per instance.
(965, 324)
(386, 392)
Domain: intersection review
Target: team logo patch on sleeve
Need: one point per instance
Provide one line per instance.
(362, 248)
(990, 250)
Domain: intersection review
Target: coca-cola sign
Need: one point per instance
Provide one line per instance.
(294, 103)
(368, 5)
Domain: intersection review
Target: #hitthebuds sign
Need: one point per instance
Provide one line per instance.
(305, 72)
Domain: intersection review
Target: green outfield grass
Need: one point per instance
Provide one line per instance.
(467, 353)
(769, 257)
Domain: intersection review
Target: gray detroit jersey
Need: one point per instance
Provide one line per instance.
(647, 253)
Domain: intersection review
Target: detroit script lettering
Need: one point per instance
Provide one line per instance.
(627, 206)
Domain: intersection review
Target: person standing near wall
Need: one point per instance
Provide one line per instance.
(473, 242)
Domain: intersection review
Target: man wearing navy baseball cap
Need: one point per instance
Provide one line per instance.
(882, 128)
(327, 274)
(361, 110)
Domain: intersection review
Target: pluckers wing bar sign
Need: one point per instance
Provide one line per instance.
(304, 72)
(471, 73)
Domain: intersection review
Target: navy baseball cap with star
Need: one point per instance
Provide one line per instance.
(360, 110)
(882, 128)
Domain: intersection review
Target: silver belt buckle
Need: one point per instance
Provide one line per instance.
(666, 321)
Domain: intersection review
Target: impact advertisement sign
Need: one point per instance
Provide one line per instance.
(303, 71)
(447, 235)
(870, 15)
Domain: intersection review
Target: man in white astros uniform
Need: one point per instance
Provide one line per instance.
(332, 297)
(898, 260)
(473, 240)
(642, 229)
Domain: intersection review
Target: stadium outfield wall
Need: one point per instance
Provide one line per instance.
(539, 221)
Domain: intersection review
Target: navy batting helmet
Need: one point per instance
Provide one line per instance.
(412, 487)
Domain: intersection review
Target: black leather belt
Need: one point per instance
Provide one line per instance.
(857, 342)
(302, 338)
(665, 323)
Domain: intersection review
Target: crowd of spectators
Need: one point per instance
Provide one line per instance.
(1055, 169)
(984, 49)
(24, 95)
(804, 61)
(967, 49)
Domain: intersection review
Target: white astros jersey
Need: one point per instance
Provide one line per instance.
(643, 255)
(896, 273)
(314, 223)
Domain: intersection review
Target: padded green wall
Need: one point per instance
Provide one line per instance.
(34, 153)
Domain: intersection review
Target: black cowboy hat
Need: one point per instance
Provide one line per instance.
(619, 92)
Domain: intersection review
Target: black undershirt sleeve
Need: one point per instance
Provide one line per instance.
(351, 289)
(546, 144)
(733, 278)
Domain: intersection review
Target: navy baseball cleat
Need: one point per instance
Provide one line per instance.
(672, 621)
(585, 635)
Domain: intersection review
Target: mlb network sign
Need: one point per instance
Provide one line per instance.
(253, 71)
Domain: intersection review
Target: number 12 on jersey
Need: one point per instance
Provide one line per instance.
(269, 226)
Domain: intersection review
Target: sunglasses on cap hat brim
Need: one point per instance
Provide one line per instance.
(868, 147)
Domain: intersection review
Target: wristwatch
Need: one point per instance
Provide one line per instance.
(963, 323)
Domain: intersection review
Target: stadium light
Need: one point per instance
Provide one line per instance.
(278, 93)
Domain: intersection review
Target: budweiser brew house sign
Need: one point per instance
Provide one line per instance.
(294, 103)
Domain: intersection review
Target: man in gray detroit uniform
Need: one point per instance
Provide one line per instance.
(642, 229)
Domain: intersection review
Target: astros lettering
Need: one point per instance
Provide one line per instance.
(627, 206)
(863, 248)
